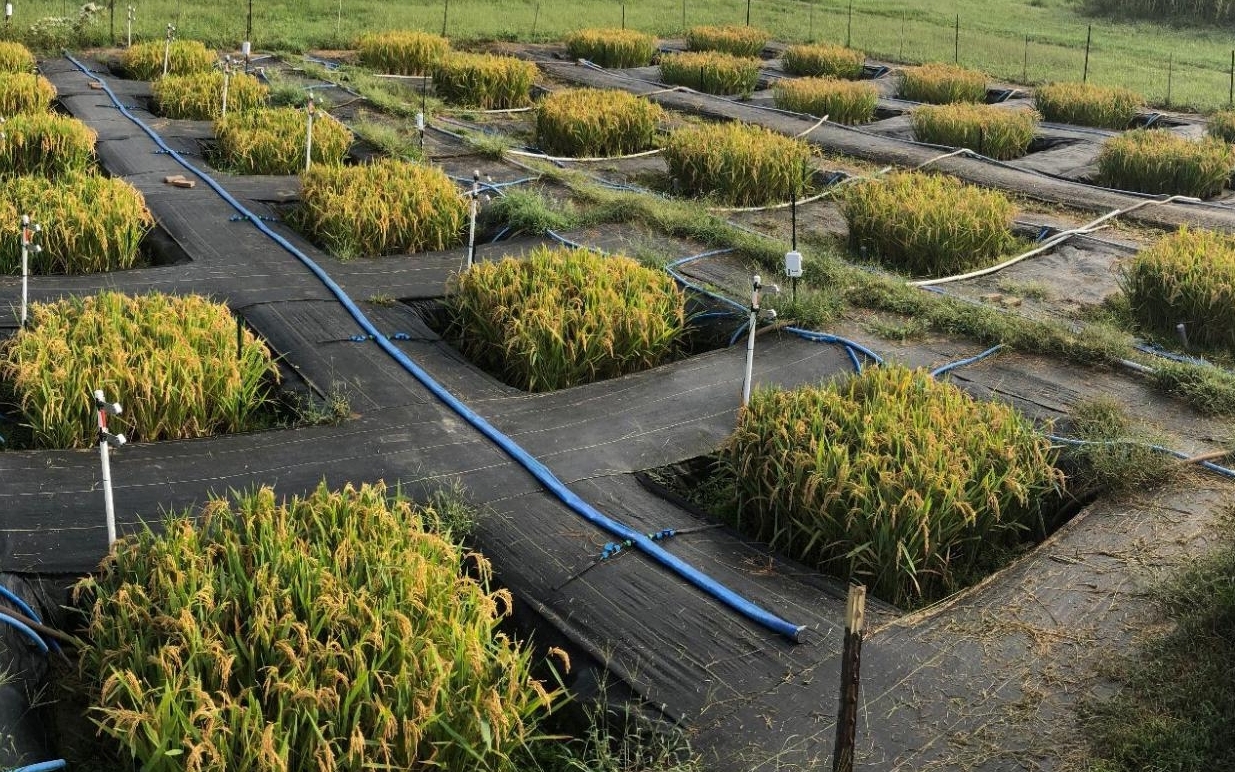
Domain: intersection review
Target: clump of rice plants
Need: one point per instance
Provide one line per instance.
(891, 478)
(728, 39)
(1222, 126)
(335, 631)
(172, 361)
(1086, 104)
(199, 96)
(90, 223)
(596, 122)
(273, 141)
(144, 61)
(46, 144)
(738, 164)
(711, 72)
(25, 92)
(1187, 277)
(942, 84)
(843, 101)
(612, 47)
(383, 208)
(485, 81)
(987, 129)
(402, 52)
(927, 224)
(14, 57)
(824, 61)
(1158, 161)
(562, 317)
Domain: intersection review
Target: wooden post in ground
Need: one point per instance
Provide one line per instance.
(851, 658)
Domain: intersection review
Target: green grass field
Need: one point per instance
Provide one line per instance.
(1034, 40)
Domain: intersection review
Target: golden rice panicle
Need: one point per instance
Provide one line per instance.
(824, 61)
(272, 141)
(342, 608)
(485, 81)
(383, 208)
(891, 478)
(46, 144)
(728, 39)
(596, 122)
(144, 61)
(562, 317)
(711, 72)
(402, 52)
(928, 224)
(14, 57)
(1222, 125)
(843, 101)
(620, 48)
(1159, 161)
(992, 131)
(199, 96)
(172, 361)
(942, 84)
(25, 92)
(1187, 277)
(738, 164)
(1087, 104)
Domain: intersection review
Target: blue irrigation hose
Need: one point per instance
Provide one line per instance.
(853, 357)
(823, 337)
(537, 469)
(42, 766)
(938, 371)
(499, 235)
(1211, 466)
(26, 630)
(24, 607)
(738, 334)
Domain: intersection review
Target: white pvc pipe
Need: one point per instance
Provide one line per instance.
(227, 77)
(308, 141)
(750, 342)
(108, 506)
(25, 267)
(471, 233)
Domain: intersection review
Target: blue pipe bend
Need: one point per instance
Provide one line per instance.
(538, 470)
(25, 630)
(42, 766)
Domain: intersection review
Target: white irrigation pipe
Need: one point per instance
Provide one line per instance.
(586, 159)
(1055, 240)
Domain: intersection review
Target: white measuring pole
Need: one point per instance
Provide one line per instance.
(167, 47)
(28, 245)
(227, 76)
(106, 440)
(308, 141)
(750, 339)
(128, 37)
(471, 233)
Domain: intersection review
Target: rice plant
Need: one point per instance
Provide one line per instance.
(942, 84)
(891, 478)
(738, 164)
(199, 96)
(1086, 104)
(728, 39)
(144, 61)
(562, 317)
(14, 57)
(1222, 125)
(46, 144)
(928, 225)
(402, 52)
(25, 92)
(843, 101)
(383, 208)
(596, 122)
(824, 61)
(1187, 277)
(1158, 161)
(619, 48)
(485, 81)
(172, 360)
(90, 223)
(987, 129)
(711, 72)
(273, 141)
(339, 630)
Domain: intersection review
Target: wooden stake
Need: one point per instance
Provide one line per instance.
(1088, 40)
(851, 657)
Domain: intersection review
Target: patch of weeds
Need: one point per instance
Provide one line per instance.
(283, 93)
(392, 140)
(1030, 290)
(1120, 458)
(1207, 389)
(900, 330)
(1177, 706)
(813, 308)
(527, 210)
(332, 409)
(383, 300)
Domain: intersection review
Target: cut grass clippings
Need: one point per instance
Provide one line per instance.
(171, 361)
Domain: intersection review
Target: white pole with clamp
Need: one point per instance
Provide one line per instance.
(106, 440)
(29, 232)
(756, 289)
(310, 108)
(471, 233)
(167, 47)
